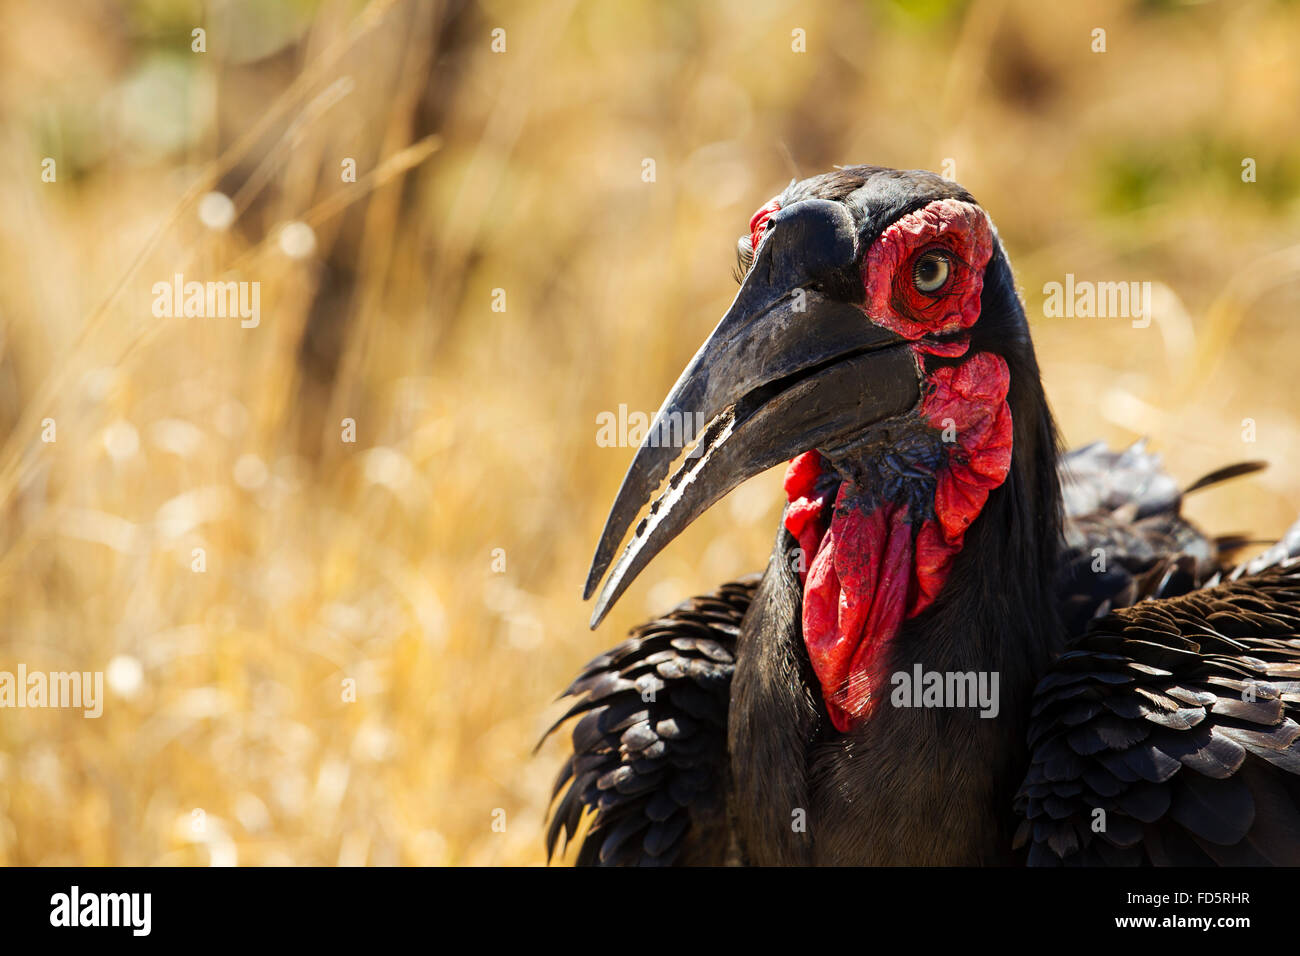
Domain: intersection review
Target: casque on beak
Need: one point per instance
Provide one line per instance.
(792, 366)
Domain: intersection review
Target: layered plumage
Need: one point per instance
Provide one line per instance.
(649, 752)
(1168, 733)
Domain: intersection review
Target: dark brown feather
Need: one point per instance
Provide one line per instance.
(1212, 678)
(649, 752)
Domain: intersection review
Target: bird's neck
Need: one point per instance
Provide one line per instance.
(994, 614)
(882, 523)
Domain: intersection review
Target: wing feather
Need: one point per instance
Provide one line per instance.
(1169, 733)
(649, 746)
(1125, 536)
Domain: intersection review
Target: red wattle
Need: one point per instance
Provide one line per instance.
(804, 517)
(968, 401)
(872, 566)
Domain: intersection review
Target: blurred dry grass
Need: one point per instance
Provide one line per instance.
(374, 561)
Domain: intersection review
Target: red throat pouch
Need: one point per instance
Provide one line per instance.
(870, 564)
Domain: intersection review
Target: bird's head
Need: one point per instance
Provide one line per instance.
(873, 341)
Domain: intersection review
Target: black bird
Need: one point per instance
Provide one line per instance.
(967, 648)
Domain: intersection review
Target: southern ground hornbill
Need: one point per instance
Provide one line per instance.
(967, 648)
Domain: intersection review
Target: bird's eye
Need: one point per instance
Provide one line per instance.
(931, 271)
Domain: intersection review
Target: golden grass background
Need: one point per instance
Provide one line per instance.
(373, 561)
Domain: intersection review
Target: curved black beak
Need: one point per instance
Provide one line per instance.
(792, 366)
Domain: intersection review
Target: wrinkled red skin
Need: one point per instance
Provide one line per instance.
(894, 302)
(873, 565)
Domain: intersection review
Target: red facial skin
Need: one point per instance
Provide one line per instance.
(758, 224)
(960, 229)
(873, 566)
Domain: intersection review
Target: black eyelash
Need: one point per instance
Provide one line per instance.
(939, 253)
(744, 259)
(953, 263)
